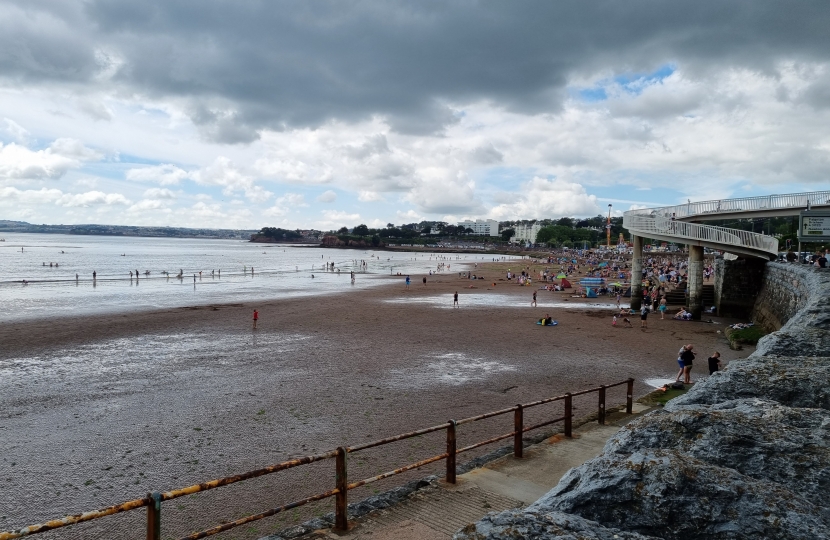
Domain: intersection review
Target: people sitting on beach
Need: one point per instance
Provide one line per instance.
(546, 320)
(683, 315)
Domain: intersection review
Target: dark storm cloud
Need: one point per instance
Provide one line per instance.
(241, 66)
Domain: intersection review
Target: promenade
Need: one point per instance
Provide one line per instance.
(436, 512)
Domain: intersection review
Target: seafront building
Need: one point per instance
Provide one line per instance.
(482, 227)
(526, 232)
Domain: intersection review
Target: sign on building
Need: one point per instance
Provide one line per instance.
(814, 226)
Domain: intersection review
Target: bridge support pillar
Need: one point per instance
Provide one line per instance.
(637, 272)
(694, 275)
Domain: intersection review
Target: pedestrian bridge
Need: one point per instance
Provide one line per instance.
(681, 223)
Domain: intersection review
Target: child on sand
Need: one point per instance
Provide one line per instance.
(714, 362)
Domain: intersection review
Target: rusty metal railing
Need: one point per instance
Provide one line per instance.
(342, 486)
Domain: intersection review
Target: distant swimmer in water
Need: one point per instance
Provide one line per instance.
(312, 276)
(194, 279)
(131, 274)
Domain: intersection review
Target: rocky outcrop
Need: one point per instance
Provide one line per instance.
(744, 454)
(515, 524)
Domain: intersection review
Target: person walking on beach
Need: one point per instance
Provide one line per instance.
(425, 281)
(407, 282)
(662, 307)
(644, 317)
(619, 296)
(533, 303)
(714, 362)
(455, 300)
(256, 318)
(93, 275)
(688, 357)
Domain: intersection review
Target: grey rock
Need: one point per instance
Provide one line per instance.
(761, 439)
(514, 525)
(668, 494)
(794, 382)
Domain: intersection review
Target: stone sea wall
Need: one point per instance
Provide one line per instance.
(744, 454)
(786, 290)
(736, 286)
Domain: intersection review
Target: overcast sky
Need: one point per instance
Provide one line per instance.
(322, 114)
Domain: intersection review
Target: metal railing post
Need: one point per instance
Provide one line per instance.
(154, 516)
(451, 447)
(601, 410)
(518, 426)
(568, 414)
(341, 504)
(629, 403)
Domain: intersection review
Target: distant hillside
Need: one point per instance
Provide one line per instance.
(123, 230)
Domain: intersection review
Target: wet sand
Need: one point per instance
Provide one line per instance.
(97, 410)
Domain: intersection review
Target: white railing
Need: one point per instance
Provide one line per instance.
(719, 237)
(746, 204)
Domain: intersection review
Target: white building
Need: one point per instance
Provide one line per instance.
(526, 233)
(482, 227)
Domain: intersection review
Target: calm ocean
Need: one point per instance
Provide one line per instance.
(280, 271)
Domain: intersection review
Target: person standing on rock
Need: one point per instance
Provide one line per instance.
(680, 363)
(688, 357)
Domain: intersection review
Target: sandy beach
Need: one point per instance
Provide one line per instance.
(96, 410)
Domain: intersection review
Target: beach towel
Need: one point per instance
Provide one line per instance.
(552, 323)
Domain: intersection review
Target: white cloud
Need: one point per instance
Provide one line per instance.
(19, 163)
(159, 193)
(75, 149)
(222, 172)
(334, 219)
(17, 132)
(370, 196)
(165, 174)
(327, 196)
(11, 196)
(409, 216)
(92, 198)
(292, 199)
(87, 182)
(146, 205)
(548, 198)
(94, 109)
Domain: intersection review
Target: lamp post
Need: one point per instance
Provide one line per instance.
(608, 229)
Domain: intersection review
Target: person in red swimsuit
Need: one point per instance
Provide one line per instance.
(256, 317)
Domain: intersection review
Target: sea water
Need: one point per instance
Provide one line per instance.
(231, 271)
